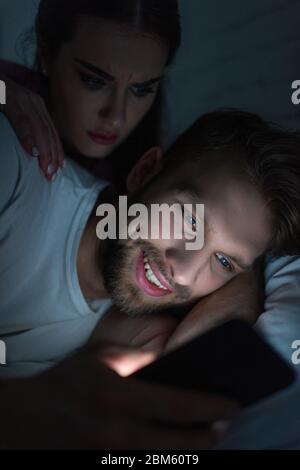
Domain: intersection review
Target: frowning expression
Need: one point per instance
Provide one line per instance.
(102, 83)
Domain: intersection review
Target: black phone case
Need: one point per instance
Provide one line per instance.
(231, 360)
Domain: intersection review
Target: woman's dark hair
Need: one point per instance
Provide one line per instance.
(55, 25)
(268, 156)
(56, 19)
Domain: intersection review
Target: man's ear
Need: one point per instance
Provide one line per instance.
(146, 167)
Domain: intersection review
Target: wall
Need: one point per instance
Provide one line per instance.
(242, 54)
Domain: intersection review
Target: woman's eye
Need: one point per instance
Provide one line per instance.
(142, 92)
(92, 83)
(225, 263)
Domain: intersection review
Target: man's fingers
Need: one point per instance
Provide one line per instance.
(164, 402)
(125, 361)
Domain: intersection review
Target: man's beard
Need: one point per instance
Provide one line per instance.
(119, 267)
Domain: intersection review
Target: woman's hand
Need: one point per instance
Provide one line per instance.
(32, 123)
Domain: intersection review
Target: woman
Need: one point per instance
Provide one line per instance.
(100, 67)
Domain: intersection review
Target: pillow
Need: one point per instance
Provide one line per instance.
(280, 322)
(274, 423)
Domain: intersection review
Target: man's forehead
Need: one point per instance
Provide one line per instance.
(191, 191)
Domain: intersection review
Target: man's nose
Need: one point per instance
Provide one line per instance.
(186, 266)
(114, 112)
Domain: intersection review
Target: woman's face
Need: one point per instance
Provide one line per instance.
(102, 83)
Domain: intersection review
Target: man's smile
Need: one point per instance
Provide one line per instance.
(150, 280)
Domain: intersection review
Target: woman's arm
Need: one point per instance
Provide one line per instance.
(20, 74)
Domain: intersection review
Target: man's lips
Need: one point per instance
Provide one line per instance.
(103, 139)
(147, 286)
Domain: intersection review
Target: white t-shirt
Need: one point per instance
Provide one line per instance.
(43, 313)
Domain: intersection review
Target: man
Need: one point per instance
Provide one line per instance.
(56, 276)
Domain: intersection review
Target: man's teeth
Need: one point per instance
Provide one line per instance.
(151, 276)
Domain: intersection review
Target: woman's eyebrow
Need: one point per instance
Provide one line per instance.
(94, 69)
(149, 82)
(107, 76)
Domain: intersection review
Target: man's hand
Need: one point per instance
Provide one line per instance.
(148, 332)
(125, 360)
(242, 297)
(81, 404)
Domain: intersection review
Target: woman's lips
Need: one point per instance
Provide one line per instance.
(103, 139)
(145, 285)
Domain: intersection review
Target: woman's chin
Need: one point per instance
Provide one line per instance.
(97, 152)
(93, 152)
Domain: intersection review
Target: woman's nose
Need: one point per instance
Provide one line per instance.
(114, 112)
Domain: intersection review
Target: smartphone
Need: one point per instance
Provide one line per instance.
(232, 360)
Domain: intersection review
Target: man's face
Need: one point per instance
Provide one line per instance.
(154, 274)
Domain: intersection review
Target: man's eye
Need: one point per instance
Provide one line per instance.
(93, 83)
(189, 218)
(192, 221)
(225, 263)
(142, 92)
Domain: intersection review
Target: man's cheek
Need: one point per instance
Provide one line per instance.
(206, 283)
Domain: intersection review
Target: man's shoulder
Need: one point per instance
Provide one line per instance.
(10, 146)
(7, 133)
(81, 178)
(14, 162)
